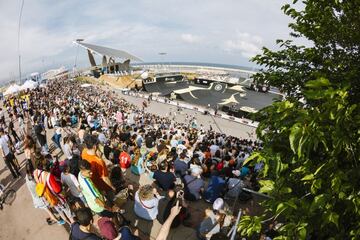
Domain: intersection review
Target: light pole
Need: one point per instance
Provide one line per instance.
(18, 46)
(77, 52)
(162, 54)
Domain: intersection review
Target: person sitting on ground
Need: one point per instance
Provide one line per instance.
(211, 225)
(194, 185)
(137, 162)
(147, 202)
(176, 198)
(109, 231)
(165, 228)
(181, 165)
(216, 187)
(165, 179)
(124, 159)
(235, 187)
(81, 229)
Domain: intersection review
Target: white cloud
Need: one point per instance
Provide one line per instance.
(199, 33)
(245, 44)
(190, 38)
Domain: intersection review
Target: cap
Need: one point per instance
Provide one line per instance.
(218, 204)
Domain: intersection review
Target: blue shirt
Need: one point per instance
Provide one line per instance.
(180, 167)
(215, 188)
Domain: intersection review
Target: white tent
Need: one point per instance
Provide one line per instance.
(12, 89)
(85, 85)
(29, 84)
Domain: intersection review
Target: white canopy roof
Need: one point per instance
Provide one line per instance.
(29, 84)
(86, 85)
(12, 89)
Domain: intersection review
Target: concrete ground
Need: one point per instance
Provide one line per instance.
(218, 124)
(21, 221)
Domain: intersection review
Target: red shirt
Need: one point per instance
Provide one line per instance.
(124, 160)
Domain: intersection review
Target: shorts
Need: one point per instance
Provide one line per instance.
(63, 208)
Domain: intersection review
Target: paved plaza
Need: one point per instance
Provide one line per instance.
(21, 221)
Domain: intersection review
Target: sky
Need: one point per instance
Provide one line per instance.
(212, 31)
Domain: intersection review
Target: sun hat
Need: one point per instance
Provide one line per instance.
(218, 204)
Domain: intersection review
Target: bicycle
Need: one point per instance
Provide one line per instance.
(7, 196)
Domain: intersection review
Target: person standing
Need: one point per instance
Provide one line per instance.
(22, 127)
(8, 155)
(40, 135)
(11, 130)
(2, 118)
(82, 229)
(100, 175)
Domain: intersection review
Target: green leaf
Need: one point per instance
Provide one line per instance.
(334, 218)
(299, 169)
(336, 184)
(319, 169)
(280, 208)
(308, 177)
(302, 233)
(319, 202)
(294, 137)
(321, 82)
(252, 156)
(285, 190)
(281, 238)
(266, 186)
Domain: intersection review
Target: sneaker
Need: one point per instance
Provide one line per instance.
(61, 222)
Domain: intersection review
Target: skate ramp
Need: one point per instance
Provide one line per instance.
(218, 94)
(165, 88)
(121, 81)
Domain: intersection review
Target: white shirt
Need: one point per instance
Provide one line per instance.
(72, 183)
(213, 149)
(4, 144)
(90, 121)
(67, 151)
(150, 211)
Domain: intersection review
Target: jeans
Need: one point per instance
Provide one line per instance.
(56, 138)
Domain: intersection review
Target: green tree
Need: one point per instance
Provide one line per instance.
(311, 165)
(332, 28)
(311, 151)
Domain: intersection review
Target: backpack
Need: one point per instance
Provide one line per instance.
(43, 191)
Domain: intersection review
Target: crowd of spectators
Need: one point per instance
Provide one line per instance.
(103, 137)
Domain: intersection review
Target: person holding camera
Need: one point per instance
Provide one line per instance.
(176, 198)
